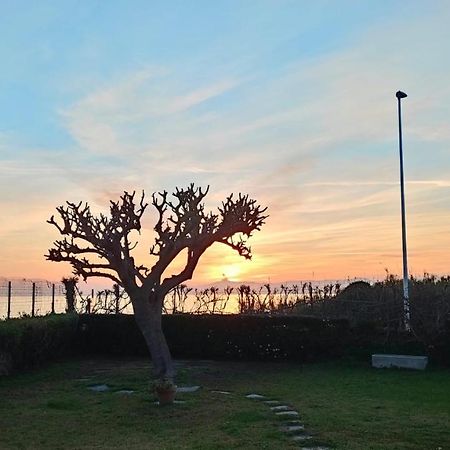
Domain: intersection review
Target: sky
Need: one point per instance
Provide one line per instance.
(291, 102)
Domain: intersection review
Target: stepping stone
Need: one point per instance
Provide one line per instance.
(315, 448)
(99, 388)
(125, 392)
(292, 428)
(255, 396)
(272, 402)
(293, 422)
(287, 413)
(281, 408)
(175, 402)
(221, 392)
(188, 389)
(301, 437)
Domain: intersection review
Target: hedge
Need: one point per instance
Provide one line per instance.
(28, 342)
(369, 338)
(241, 337)
(237, 337)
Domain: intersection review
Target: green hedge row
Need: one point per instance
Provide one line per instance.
(255, 338)
(369, 338)
(220, 337)
(28, 342)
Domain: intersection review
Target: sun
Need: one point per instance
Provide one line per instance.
(231, 272)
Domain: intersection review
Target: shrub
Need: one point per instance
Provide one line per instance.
(254, 337)
(28, 342)
(221, 337)
(382, 305)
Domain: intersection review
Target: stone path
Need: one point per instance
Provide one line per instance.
(293, 428)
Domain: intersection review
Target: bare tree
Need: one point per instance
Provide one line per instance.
(100, 246)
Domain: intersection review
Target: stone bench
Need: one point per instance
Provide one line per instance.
(400, 361)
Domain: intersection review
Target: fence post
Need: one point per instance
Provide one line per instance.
(53, 298)
(33, 299)
(117, 297)
(8, 315)
(70, 286)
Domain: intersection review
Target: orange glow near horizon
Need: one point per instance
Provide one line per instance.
(281, 253)
(293, 126)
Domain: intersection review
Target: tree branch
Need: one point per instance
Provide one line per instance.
(182, 224)
(106, 237)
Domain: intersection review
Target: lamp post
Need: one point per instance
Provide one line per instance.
(400, 95)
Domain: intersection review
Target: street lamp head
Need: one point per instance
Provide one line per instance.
(400, 94)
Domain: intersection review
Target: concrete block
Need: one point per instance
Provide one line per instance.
(400, 361)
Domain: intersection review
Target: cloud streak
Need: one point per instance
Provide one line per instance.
(313, 137)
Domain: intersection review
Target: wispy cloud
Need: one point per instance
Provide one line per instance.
(101, 122)
(312, 136)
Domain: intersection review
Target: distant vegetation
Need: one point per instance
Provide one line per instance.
(382, 305)
(358, 302)
(379, 304)
(375, 310)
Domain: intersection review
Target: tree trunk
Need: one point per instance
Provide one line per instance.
(147, 313)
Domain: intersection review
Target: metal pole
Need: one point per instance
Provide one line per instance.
(8, 314)
(53, 298)
(400, 95)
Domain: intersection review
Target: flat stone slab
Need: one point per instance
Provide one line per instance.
(301, 437)
(255, 396)
(315, 448)
(188, 389)
(399, 361)
(125, 392)
(175, 402)
(281, 408)
(221, 392)
(292, 428)
(272, 402)
(99, 388)
(287, 413)
(293, 422)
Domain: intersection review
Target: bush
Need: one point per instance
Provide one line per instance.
(251, 337)
(28, 342)
(221, 337)
(381, 304)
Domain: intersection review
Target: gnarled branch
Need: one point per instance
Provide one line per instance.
(101, 236)
(182, 224)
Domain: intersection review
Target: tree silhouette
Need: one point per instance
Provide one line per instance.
(100, 246)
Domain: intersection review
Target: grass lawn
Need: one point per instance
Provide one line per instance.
(344, 405)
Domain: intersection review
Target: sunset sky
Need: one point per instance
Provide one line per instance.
(292, 102)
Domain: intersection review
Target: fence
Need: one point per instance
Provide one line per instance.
(24, 297)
